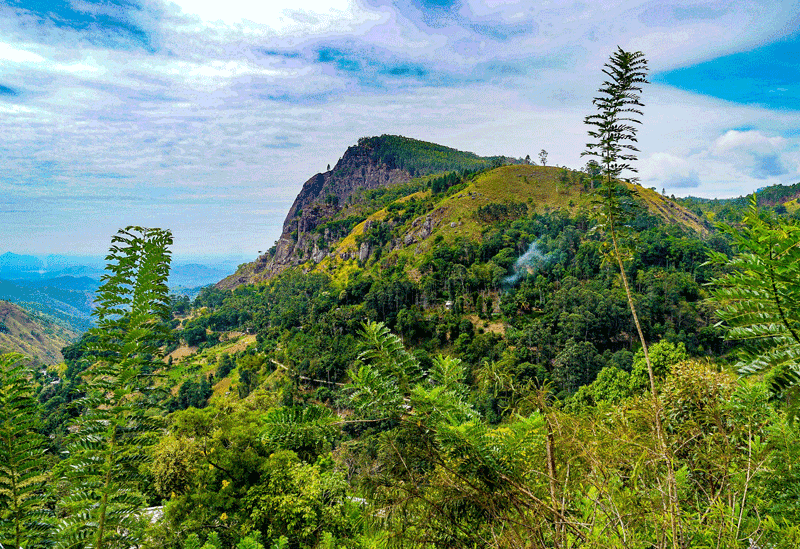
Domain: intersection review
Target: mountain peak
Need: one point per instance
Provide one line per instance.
(373, 163)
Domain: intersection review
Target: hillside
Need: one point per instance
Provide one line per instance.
(782, 199)
(478, 264)
(337, 215)
(67, 298)
(32, 334)
(330, 203)
(467, 319)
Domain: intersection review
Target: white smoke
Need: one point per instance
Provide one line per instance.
(527, 264)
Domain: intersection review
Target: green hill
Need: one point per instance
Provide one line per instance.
(416, 223)
(506, 369)
(32, 334)
(370, 173)
(470, 263)
(782, 199)
(371, 198)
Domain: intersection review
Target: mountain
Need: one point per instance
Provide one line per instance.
(32, 334)
(387, 185)
(343, 194)
(513, 339)
(15, 263)
(781, 199)
(63, 287)
(69, 299)
(192, 275)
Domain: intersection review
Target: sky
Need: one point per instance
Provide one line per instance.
(207, 116)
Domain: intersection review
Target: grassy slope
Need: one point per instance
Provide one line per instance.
(32, 334)
(671, 211)
(542, 189)
(188, 363)
(454, 216)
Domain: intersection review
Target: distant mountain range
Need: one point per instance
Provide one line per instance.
(62, 288)
(184, 274)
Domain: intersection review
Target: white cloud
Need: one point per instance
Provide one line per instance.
(279, 17)
(670, 171)
(232, 110)
(18, 55)
(751, 141)
(753, 152)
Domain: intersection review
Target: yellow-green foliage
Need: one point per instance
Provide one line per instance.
(539, 187)
(455, 214)
(668, 210)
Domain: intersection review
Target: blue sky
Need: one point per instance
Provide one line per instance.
(206, 117)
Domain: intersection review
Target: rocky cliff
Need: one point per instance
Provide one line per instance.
(320, 199)
(374, 163)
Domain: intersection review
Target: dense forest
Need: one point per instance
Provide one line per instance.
(589, 366)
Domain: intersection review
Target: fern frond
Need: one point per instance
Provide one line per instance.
(105, 453)
(385, 350)
(757, 297)
(23, 463)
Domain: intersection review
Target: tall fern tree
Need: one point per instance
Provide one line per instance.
(23, 460)
(614, 129)
(120, 417)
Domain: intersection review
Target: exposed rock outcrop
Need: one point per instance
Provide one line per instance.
(319, 200)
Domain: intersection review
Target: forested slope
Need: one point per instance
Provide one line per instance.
(450, 362)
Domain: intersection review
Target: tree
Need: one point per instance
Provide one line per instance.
(543, 157)
(576, 365)
(614, 133)
(757, 298)
(23, 463)
(120, 416)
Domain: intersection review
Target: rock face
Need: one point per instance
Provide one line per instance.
(320, 198)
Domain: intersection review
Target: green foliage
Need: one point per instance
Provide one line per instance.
(577, 364)
(192, 541)
(386, 350)
(296, 500)
(444, 182)
(617, 106)
(191, 393)
(614, 132)
(731, 210)
(245, 469)
(663, 355)
(212, 542)
(307, 431)
(494, 212)
(23, 462)
(225, 367)
(757, 298)
(120, 417)
(420, 157)
(339, 228)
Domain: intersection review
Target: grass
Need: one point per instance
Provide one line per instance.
(190, 363)
(454, 216)
(668, 210)
(541, 188)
